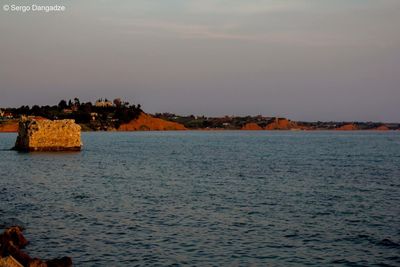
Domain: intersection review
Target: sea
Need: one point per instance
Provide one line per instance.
(209, 198)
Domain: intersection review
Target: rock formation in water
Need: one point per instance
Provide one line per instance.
(146, 122)
(47, 135)
(12, 242)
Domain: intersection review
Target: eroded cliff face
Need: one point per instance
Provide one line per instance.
(251, 127)
(382, 128)
(146, 122)
(347, 127)
(9, 126)
(281, 124)
(47, 135)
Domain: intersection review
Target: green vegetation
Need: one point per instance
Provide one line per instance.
(236, 123)
(227, 122)
(103, 115)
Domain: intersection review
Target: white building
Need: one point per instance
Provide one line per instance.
(103, 103)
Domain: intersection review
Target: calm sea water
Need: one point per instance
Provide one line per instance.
(210, 198)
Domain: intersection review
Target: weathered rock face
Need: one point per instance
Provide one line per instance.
(146, 122)
(347, 127)
(12, 241)
(281, 124)
(47, 135)
(9, 126)
(382, 128)
(251, 127)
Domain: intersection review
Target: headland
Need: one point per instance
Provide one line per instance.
(117, 115)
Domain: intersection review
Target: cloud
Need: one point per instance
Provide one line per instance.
(237, 7)
(234, 32)
(292, 23)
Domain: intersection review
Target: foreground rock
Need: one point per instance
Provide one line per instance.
(12, 242)
(47, 135)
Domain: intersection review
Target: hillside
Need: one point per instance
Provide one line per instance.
(146, 122)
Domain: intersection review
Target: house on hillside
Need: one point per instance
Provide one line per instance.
(103, 103)
(6, 115)
(93, 116)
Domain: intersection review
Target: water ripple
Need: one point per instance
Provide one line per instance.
(209, 199)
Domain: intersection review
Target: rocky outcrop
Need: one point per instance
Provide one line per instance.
(47, 135)
(146, 122)
(281, 124)
(251, 127)
(9, 126)
(12, 242)
(381, 128)
(347, 127)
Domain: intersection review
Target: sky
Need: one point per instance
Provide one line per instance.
(302, 59)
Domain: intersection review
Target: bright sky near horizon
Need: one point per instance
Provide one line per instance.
(302, 59)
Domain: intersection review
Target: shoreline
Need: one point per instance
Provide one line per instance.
(147, 122)
(230, 130)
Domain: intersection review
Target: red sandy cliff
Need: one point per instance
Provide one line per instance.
(347, 127)
(382, 128)
(9, 126)
(281, 124)
(146, 122)
(251, 127)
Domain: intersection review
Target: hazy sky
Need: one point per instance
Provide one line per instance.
(303, 59)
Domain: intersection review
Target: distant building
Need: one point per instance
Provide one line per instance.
(103, 103)
(94, 116)
(6, 115)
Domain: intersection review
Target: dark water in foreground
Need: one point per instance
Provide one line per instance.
(210, 198)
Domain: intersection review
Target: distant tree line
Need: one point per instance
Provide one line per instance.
(94, 116)
(226, 122)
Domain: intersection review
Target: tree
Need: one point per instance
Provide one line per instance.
(63, 104)
(86, 107)
(36, 110)
(77, 102)
(117, 102)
